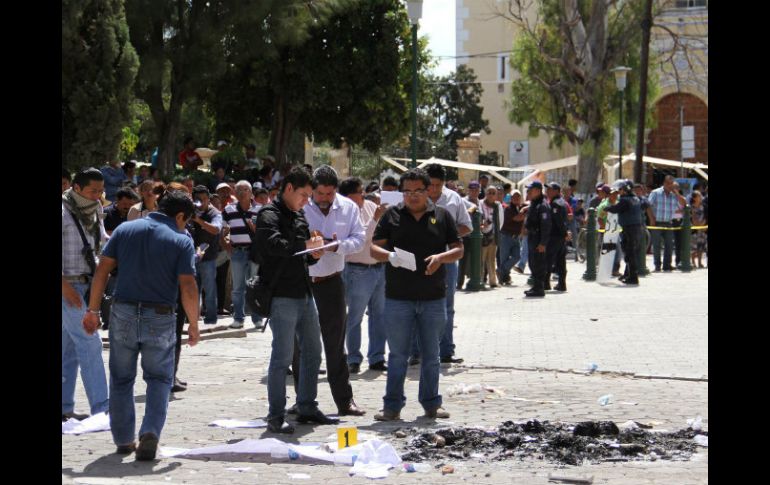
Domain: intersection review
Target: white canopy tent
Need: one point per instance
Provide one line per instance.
(611, 164)
(491, 169)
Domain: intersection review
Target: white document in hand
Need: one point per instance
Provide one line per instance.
(406, 259)
(325, 246)
(391, 197)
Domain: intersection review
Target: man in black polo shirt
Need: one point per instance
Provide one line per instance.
(117, 213)
(415, 298)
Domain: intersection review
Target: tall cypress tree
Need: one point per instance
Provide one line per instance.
(99, 65)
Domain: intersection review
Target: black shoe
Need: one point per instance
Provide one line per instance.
(292, 410)
(148, 446)
(414, 360)
(79, 417)
(354, 368)
(278, 425)
(178, 387)
(533, 292)
(125, 449)
(317, 417)
(184, 383)
(351, 410)
(379, 366)
(560, 287)
(451, 360)
(631, 281)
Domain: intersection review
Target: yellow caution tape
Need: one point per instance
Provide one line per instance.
(694, 228)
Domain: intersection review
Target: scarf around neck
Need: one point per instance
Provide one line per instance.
(86, 211)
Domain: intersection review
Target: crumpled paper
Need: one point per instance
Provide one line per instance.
(238, 423)
(92, 424)
(375, 458)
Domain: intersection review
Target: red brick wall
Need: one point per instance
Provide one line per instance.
(665, 140)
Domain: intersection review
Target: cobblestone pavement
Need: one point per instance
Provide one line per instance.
(654, 359)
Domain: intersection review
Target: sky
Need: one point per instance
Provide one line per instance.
(438, 24)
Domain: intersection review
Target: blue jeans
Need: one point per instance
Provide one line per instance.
(136, 330)
(510, 252)
(447, 343)
(429, 319)
(242, 269)
(667, 238)
(524, 253)
(290, 317)
(206, 274)
(80, 349)
(365, 287)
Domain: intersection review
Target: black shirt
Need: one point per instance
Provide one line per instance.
(558, 219)
(282, 232)
(430, 235)
(538, 222)
(112, 218)
(201, 236)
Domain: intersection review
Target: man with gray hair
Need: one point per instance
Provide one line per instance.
(240, 217)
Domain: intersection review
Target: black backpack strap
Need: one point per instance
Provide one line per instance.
(241, 213)
(88, 251)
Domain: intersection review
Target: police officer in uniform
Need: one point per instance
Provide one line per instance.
(557, 242)
(538, 224)
(630, 218)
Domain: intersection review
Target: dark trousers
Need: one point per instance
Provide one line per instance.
(329, 296)
(180, 319)
(538, 264)
(630, 241)
(221, 285)
(557, 258)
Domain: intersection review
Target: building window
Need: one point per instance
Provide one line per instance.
(503, 69)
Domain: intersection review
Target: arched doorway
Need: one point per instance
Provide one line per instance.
(673, 112)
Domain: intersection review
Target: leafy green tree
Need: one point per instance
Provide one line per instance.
(450, 110)
(566, 88)
(98, 70)
(349, 78)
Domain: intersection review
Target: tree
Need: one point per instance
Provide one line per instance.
(349, 78)
(98, 70)
(450, 110)
(566, 89)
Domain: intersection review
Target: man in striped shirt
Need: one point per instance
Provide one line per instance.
(240, 217)
(664, 203)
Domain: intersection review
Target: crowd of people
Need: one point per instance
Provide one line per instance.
(325, 251)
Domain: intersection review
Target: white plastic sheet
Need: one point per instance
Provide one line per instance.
(97, 422)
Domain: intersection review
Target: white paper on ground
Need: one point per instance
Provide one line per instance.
(325, 246)
(391, 197)
(239, 469)
(406, 259)
(238, 423)
(299, 476)
(375, 459)
(97, 422)
(701, 440)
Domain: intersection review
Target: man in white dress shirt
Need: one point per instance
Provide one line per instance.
(336, 218)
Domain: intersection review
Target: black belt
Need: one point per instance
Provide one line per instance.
(159, 308)
(78, 278)
(320, 279)
(376, 265)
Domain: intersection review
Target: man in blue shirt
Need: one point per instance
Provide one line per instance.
(156, 258)
(113, 179)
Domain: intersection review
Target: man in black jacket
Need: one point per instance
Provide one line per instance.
(538, 224)
(629, 210)
(557, 243)
(281, 232)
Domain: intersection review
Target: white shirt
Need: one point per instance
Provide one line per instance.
(344, 220)
(453, 203)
